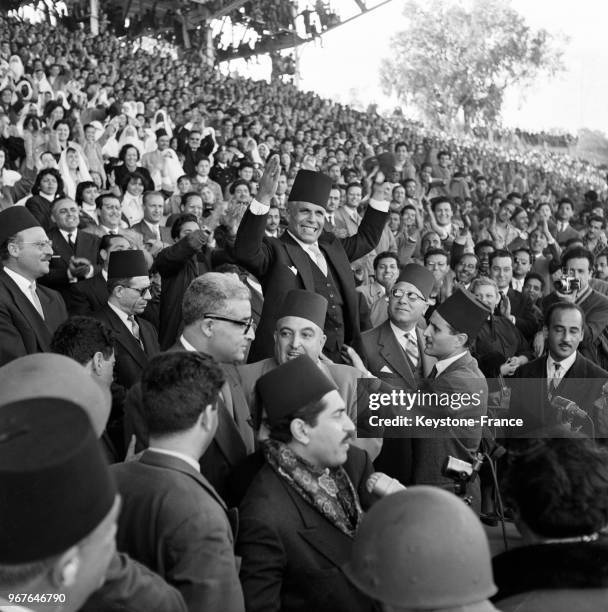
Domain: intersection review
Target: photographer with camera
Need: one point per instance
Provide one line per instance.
(542, 388)
(577, 263)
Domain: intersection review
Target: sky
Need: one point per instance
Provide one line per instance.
(345, 64)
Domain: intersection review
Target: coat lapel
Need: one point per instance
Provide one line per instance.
(125, 337)
(300, 260)
(239, 406)
(393, 354)
(427, 361)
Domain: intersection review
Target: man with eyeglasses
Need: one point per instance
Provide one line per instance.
(395, 354)
(129, 292)
(216, 313)
(29, 313)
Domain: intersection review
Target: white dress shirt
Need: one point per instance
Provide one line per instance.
(517, 283)
(122, 315)
(187, 345)
(154, 228)
(564, 366)
(23, 283)
(444, 363)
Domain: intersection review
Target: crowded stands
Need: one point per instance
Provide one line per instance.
(210, 285)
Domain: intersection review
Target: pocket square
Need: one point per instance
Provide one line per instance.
(294, 270)
(386, 369)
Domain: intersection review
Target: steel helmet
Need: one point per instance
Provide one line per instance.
(422, 548)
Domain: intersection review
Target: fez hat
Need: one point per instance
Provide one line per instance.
(50, 375)
(127, 264)
(386, 161)
(310, 186)
(306, 305)
(418, 276)
(464, 312)
(55, 483)
(292, 386)
(15, 219)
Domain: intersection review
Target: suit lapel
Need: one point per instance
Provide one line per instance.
(392, 353)
(300, 260)
(239, 407)
(125, 337)
(427, 361)
(61, 246)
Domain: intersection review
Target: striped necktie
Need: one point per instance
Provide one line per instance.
(554, 382)
(433, 373)
(411, 349)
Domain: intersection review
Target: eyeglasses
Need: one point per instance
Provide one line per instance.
(41, 243)
(141, 291)
(246, 325)
(410, 295)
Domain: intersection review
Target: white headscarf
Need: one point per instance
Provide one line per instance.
(69, 183)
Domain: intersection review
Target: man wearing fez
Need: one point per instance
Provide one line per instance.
(59, 506)
(129, 290)
(305, 257)
(173, 520)
(299, 331)
(452, 327)
(29, 313)
(395, 354)
(303, 507)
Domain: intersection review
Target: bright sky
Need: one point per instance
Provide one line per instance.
(345, 67)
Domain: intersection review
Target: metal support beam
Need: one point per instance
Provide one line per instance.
(361, 5)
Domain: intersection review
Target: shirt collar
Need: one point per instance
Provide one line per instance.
(20, 280)
(66, 234)
(187, 345)
(124, 317)
(565, 364)
(400, 333)
(189, 460)
(305, 246)
(443, 364)
(154, 227)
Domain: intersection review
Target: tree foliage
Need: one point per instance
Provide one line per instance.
(456, 60)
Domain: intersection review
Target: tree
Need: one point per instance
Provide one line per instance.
(455, 60)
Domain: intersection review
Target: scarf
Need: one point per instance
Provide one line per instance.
(330, 492)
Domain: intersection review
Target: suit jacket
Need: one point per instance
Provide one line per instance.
(567, 234)
(387, 361)
(88, 296)
(344, 224)
(174, 522)
(135, 238)
(87, 245)
(526, 320)
(291, 554)
(582, 384)
(280, 264)
(131, 358)
(22, 330)
(147, 234)
(230, 445)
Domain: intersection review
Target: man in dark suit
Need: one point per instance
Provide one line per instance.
(562, 372)
(293, 541)
(155, 236)
(514, 305)
(395, 355)
(29, 314)
(129, 292)
(563, 230)
(172, 518)
(75, 255)
(90, 295)
(305, 257)
(217, 322)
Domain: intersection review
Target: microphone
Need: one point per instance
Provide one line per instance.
(568, 407)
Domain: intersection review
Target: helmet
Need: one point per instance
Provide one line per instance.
(422, 548)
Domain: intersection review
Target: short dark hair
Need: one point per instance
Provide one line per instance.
(80, 190)
(440, 200)
(99, 200)
(578, 253)
(176, 228)
(514, 195)
(500, 253)
(536, 276)
(560, 486)
(53, 172)
(81, 337)
(280, 430)
(176, 387)
(353, 184)
(589, 220)
(123, 151)
(559, 306)
(481, 244)
(565, 201)
(436, 252)
(186, 196)
(385, 255)
(238, 183)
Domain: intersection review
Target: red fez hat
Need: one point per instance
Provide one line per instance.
(55, 483)
(310, 186)
(15, 219)
(418, 276)
(305, 304)
(292, 386)
(464, 312)
(127, 264)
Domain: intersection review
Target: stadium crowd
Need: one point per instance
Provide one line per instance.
(204, 280)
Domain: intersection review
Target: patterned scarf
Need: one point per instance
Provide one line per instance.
(329, 491)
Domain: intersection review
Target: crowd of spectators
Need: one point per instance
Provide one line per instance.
(227, 259)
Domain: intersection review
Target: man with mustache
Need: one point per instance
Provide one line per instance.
(302, 510)
(562, 372)
(29, 313)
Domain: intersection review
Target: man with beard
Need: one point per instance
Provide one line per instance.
(29, 313)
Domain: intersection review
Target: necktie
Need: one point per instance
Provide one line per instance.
(554, 382)
(71, 242)
(36, 300)
(319, 258)
(330, 219)
(135, 329)
(412, 350)
(433, 373)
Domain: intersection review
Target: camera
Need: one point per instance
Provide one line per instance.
(567, 284)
